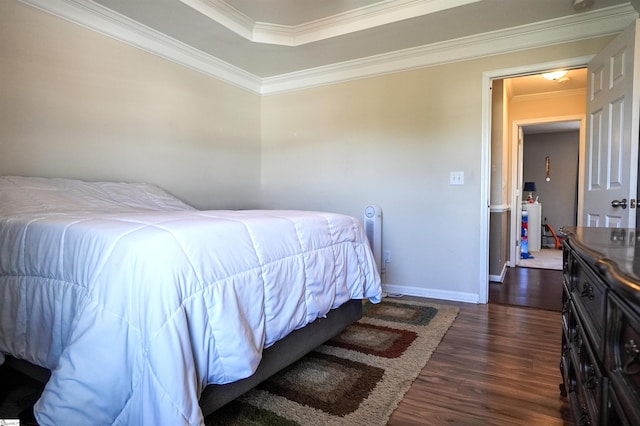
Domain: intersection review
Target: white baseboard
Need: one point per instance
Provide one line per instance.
(454, 296)
(499, 278)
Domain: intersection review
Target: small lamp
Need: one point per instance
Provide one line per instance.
(530, 187)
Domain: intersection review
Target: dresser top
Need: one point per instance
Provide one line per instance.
(615, 252)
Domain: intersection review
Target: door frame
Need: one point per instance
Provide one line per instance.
(485, 169)
(515, 193)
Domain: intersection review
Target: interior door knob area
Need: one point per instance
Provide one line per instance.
(619, 203)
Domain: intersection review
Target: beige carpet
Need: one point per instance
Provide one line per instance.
(543, 259)
(358, 378)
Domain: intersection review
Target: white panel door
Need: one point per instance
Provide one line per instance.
(613, 115)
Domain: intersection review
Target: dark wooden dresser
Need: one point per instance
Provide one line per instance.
(600, 362)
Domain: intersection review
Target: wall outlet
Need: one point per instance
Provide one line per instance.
(386, 256)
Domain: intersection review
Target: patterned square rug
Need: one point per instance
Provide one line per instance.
(357, 378)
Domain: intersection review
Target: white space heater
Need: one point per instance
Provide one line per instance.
(373, 229)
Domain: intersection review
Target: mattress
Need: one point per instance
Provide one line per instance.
(136, 301)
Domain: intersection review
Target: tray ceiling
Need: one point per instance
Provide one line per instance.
(269, 41)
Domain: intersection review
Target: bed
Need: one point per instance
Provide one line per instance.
(148, 311)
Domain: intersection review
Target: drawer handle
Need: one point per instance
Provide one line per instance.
(633, 352)
(587, 291)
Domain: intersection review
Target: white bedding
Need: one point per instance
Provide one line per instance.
(137, 301)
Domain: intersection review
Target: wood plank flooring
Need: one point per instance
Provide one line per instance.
(535, 288)
(497, 365)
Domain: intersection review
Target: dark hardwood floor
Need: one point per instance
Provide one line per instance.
(534, 288)
(499, 363)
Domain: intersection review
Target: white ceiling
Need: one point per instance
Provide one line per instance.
(265, 42)
(574, 80)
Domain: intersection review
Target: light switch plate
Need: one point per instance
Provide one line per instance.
(456, 178)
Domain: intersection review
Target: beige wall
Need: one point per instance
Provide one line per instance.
(499, 145)
(574, 104)
(77, 104)
(390, 141)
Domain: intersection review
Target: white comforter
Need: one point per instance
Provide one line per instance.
(136, 301)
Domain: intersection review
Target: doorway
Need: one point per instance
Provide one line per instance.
(547, 142)
(544, 133)
(549, 166)
(543, 126)
(536, 282)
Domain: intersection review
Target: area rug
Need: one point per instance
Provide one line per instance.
(357, 378)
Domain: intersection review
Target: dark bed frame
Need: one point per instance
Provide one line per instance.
(280, 355)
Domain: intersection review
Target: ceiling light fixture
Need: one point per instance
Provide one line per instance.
(554, 75)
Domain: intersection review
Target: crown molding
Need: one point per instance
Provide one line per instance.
(586, 25)
(602, 22)
(107, 22)
(549, 95)
(224, 14)
(370, 16)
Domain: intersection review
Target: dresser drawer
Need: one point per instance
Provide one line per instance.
(623, 357)
(589, 295)
(569, 340)
(589, 374)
